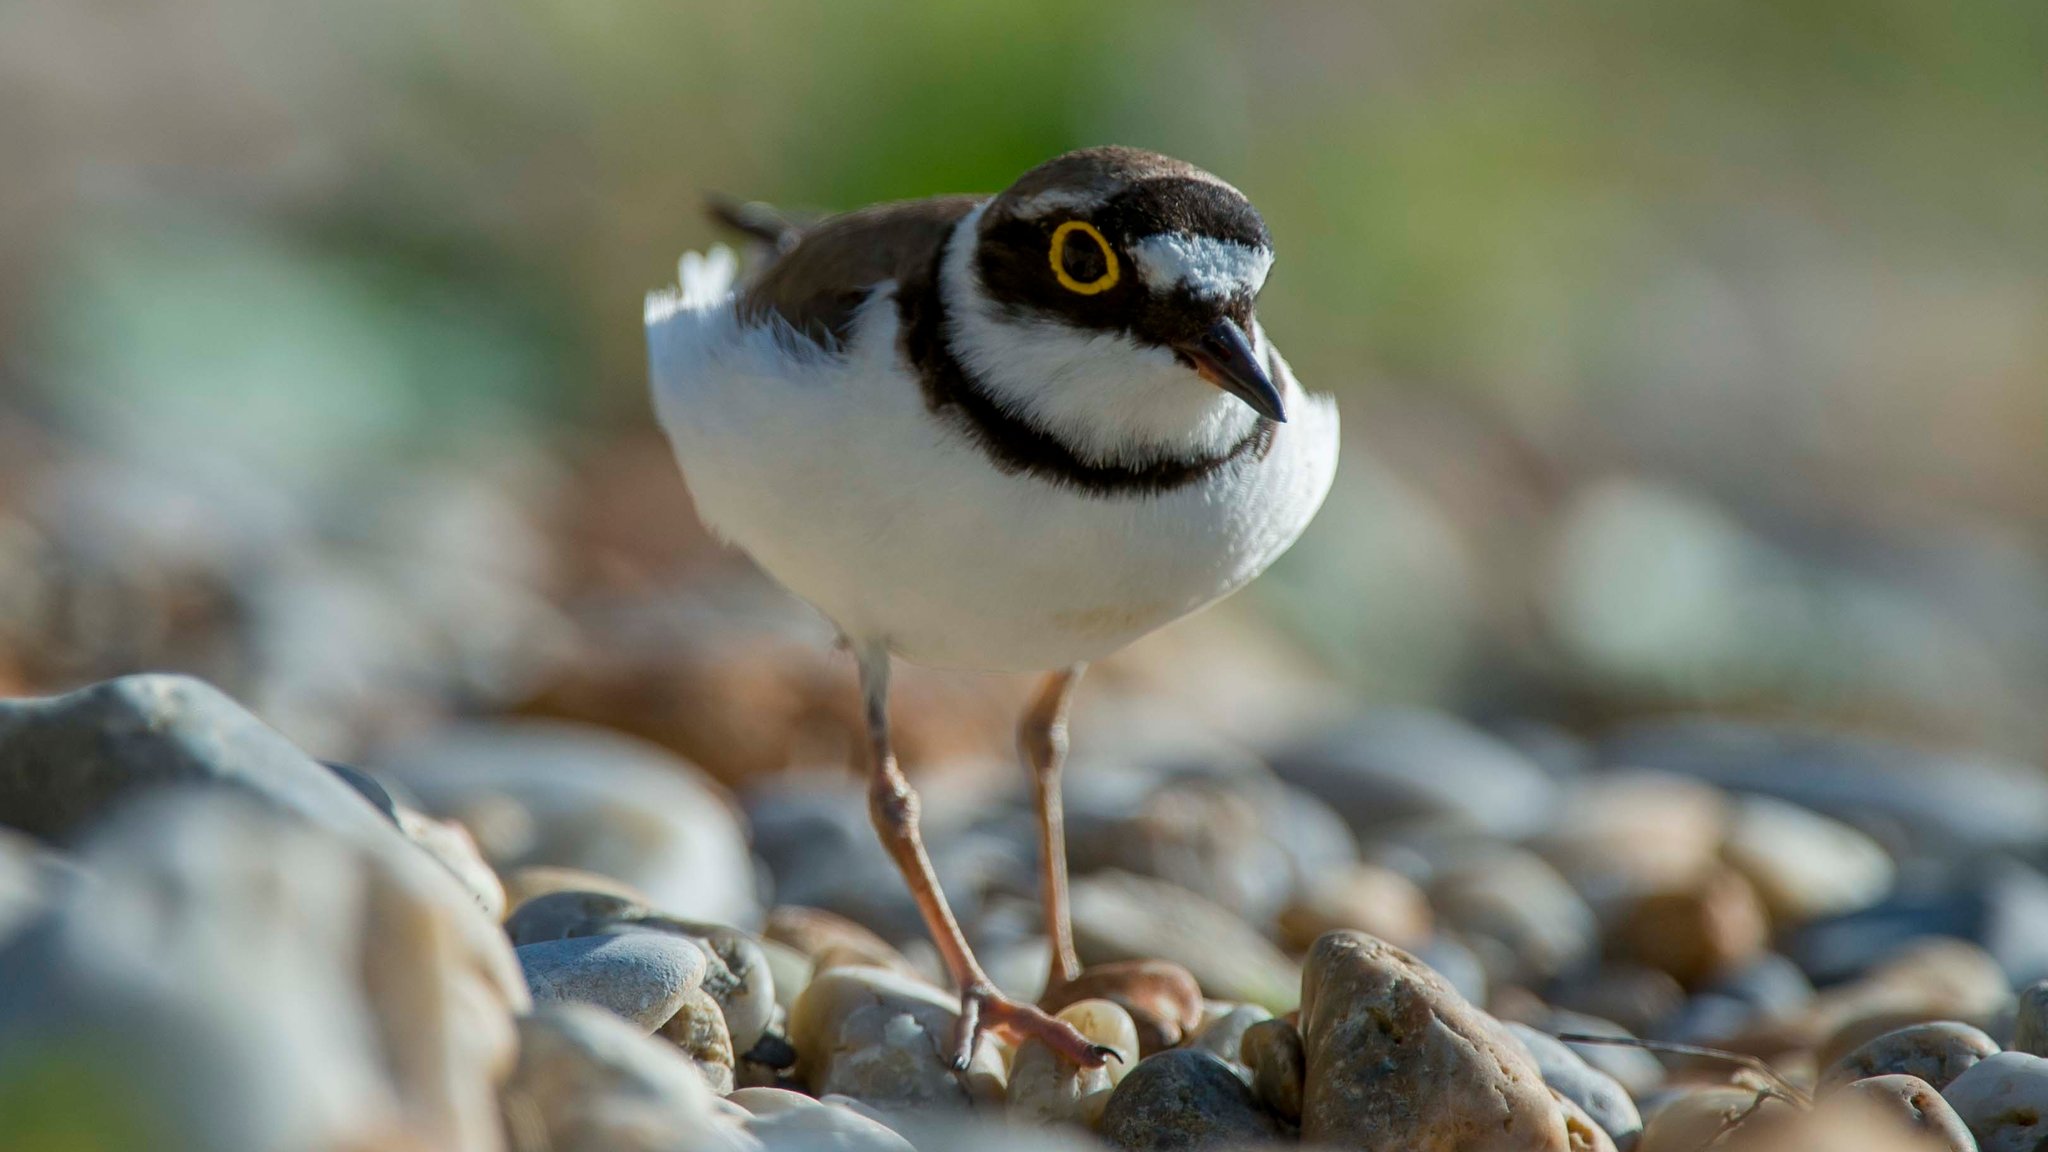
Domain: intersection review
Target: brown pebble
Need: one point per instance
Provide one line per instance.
(1272, 1050)
(1697, 931)
(1366, 897)
(1162, 997)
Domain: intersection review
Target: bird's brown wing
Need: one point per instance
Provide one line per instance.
(819, 282)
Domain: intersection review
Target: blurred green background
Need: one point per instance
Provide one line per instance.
(1691, 355)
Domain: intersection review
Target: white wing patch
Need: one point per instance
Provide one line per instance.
(1208, 266)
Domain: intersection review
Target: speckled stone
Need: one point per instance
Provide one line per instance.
(1917, 1106)
(1184, 1099)
(2004, 1101)
(885, 1040)
(1936, 1053)
(698, 1029)
(1397, 1061)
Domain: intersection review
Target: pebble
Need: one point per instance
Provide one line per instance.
(2030, 1020)
(1695, 1120)
(587, 1081)
(451, 844)
(1637, 1071)
(885, 1040)
(1602, 1099)
(2004, 1101)
(1399, 766)
(536, 880)
(556, 793)
(1525, 922)
(1621, 835)
(1804, 865)
(1161, 998)
(1364, 897)
(642, 977)
(1917, 1106)
(831, 940)
(698, 1029)
(1397, 1060)
(1936, 1053)
(1697, 932)
(1184, 1099)
(1047, 1089)
(1119, 916)
(785, 1121)
(738, 976)
(1272, 1050)
(1223, 1036)
(1582, 1132)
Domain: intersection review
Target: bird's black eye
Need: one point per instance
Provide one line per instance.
(1082, 260)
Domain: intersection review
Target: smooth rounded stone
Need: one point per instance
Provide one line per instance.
(1184, 1099)
(698, 1030)
(1522, 918)
(1398, 766)
(1397, 1061)
(737, 977)
(1695, 1120)
(1852, 1122)
(1223, 1036)
(1363, 897)
(1927, 980)
(1272, 1050)
(1047, 1089)
(1698, 932)
(588, 1081)
(1771, 985)
(1602, 1099)
(1917, 1106)
(1962, 802)
(641, 976)
(785, 1121)
(886, 1040)
(1637, 997)
(1803, 864)
(2004, 1101)
(1620, 835)
(2030, 1020)
(1638, 1072)
(536, 880)
(250, 982)
(550, 792)
(1937, 1053)
(1161, 998)
(789, 970)
(450, 843)
(1118, 916)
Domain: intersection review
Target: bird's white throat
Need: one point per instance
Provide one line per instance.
(1110, 398)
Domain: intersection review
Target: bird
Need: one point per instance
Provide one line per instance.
(1009, 432)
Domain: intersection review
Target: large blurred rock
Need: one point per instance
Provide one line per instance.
(885, 1040)
(589, 1082)
(224, 978)
(1393, 767)
(541, 792)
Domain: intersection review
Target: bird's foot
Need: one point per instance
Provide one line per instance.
(983, 1009)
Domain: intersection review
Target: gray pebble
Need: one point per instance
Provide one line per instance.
(1184, 1099)
(641, 976)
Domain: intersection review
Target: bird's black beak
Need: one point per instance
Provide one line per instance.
(1224, 357)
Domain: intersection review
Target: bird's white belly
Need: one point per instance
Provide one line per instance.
(835, 478)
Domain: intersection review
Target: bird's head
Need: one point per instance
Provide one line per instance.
(1139, 256)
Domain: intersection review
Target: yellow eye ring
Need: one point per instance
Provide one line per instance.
(1110, 272)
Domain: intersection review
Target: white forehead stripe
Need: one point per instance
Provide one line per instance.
(1207, 266)
(1065, 200)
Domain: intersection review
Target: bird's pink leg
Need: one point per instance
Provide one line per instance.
(1042, 742)
(893, 806)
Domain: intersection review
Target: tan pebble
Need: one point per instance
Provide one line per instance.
(1047, 1089)
(1272, 1050)
(698, 1028)
(536, 880)
(884, 1039)
(1365, 897)
(831, 940)
(1391, 1050)
(1699, 930)
(1106, 1023)
(1580, 1129)
(1695, 1120)
(1911, 1103)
